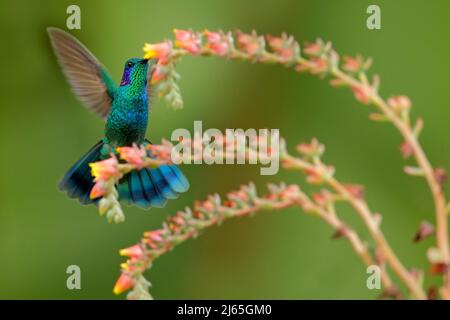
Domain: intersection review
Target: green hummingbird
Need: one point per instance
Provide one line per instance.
(126, 110)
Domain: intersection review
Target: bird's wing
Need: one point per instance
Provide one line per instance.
(150, 90)
(88, 79)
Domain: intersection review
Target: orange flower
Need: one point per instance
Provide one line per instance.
(312, 176)
(314, 48)
(155, 235)
(135, 251)
(249, 43)
(352, 64)
(355, 190)
(239, 194)
(187, 40)
(207, 205)
(162, 151)
(124, 283)
(133, 155)
(290, 192)
(311, 149)
(98, 190)
(105, 169)
(399, 103)
(217, 43)
(158, 74)
(276, 43)
(158, 50)
(323, 197)
(406, 150)
(362, 93)
(178, 219)
(319, 65)
(286, 47)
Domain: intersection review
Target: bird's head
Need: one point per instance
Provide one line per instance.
(135, 71)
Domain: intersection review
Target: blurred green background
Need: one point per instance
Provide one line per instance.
(282, 255)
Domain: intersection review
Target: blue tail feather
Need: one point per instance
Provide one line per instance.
(175, 178)
(137, 190)
(146, 188)
(124, 190)
(78, 181)
(163, 185)
(151, 190)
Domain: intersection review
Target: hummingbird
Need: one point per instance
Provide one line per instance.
(125, 107)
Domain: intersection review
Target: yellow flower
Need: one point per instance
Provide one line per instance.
(158, 50)
(105, 169)
(124, 283)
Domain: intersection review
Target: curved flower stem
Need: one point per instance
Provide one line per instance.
(372, 225)
(319, 59)
(427, 170)
(244, 202)
(370, 220)
(322, 60)
(358, 246)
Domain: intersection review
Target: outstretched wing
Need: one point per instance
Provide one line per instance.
(88, 79)
(150, 89)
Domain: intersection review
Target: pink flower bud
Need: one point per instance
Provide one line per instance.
(229, 204)
(239, 194)
(314, 48)
(311, 149)
(441, 175)
(290, 192)
(406, 150)
(362, 93)
(158, 74)
(340, 233)
(207, 205)
(187, 40)
(426, 229)
(318, 65)
(135, 251)
(124, 283)
(399, 103)
(355, 190)
(155, 235)
(276, 43)
(178, 219)
(285, 47)
(352, 64)
(105, 169)
(312, 176)
(151, 243)
(162, 152)
(323, 198)
(218, 43)
(133, 155)
(98, 190)
(249, 43)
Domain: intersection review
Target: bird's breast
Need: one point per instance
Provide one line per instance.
(127, 125)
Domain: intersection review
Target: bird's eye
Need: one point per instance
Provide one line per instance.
(130, 64)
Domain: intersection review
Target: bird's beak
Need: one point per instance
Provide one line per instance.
(144, 61)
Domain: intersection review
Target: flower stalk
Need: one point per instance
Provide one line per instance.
(188, 224)
(107, 174)
(319, 58)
